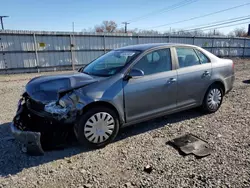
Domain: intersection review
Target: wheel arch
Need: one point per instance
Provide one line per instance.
(219, 83)
(216, 82)
(103, 104)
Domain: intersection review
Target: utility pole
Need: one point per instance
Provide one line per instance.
(248, 33)
(72, 46)
(1, 19)
(125, 23)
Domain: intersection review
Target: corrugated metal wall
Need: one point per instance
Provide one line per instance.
(26, 51)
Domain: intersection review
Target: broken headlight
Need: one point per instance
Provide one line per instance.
(68, 100)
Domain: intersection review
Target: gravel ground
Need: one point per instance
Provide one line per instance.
(121, 163)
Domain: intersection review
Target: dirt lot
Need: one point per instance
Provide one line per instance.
(121, 163)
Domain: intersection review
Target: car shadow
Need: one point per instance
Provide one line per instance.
(13, 160)
(156, 123)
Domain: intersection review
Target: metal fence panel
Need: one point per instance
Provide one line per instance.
(247, 43)
(182, 40)
(27, 51)
(2, 62)
(221, 42)
(117, 42)
(144, 40)
(29, 60)
(52, 43)
(17, 43)
(88, 42)
(47, 59)
(237, 43)
(221, 52)
(83, 58)
(247, 52)
(236, 52)
(203, 42)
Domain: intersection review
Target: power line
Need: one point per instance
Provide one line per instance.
(222, 21)
(218, 24)
(219, 27)
(225, 26)
(202, 16)
(166, 9)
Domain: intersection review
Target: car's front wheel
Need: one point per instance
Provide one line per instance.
(97, 127)
(213, 99)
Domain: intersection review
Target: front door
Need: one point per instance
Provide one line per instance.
(155, 92)
(194, 76)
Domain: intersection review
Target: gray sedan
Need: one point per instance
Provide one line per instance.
(123, 87)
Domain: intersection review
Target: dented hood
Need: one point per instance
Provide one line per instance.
(47, 88)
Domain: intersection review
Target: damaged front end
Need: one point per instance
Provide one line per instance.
(39, 126)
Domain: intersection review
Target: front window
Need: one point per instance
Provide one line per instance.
(155, 62)
(110, 63)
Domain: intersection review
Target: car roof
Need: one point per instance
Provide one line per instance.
(144, 47)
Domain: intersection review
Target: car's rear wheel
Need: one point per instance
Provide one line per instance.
(97, 127)
(213, 99)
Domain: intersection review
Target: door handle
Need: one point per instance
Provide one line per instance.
(172, 80)
(206, 73)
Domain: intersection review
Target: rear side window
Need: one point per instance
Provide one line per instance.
(187, 57)
(203, 58)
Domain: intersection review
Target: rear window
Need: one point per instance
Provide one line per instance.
(203, 58)
(187, 57)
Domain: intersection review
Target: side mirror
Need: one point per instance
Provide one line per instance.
(134, 73)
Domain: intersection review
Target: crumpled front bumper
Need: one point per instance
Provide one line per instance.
(30, 141)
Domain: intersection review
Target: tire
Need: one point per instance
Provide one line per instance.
(213, 99)
(97, 127)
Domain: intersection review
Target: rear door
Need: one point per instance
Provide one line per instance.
(155, 92)
(193, 76)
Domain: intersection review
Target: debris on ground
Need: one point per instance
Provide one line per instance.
(128, 185)
(148, 169)
(87, 185)
(189, 143)
(246, 81)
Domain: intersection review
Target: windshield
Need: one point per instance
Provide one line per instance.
(110, 63)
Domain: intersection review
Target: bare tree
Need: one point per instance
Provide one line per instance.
(238, 32)
(214, 33)
(147, 32)
(106, 26)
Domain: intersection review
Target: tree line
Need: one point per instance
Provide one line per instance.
(112, 27)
